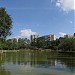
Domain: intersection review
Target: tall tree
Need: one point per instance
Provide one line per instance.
(5, 23)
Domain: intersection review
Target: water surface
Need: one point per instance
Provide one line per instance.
(36, 63)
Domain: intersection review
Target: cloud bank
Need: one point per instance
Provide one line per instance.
(66, 5)
(62, 34)
(27, 32)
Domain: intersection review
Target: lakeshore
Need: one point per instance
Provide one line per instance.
(38, 49)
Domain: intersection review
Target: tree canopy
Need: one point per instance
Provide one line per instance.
(63, 44)
(5, 23)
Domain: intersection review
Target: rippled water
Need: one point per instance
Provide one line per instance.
(36, 63)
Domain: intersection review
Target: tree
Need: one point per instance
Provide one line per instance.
(41, 42)
(15, 44)
(5, 23)
(9, 44)
(68, 44)
(22, 43)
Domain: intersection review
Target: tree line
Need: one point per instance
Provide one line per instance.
(14, 44)
(61, 44)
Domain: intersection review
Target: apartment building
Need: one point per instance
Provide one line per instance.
(50, 37)
(34, 38)
(68, 36)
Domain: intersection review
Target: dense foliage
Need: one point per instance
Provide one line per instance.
(14, 44)
(5, 23)
(61, 44)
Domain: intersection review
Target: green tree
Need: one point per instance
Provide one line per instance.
(15, 44)
(23, 43)
(41, 42)
(5, 23)
(9, 44)
(68, 44)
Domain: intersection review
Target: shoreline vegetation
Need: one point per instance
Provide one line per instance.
(61, 45)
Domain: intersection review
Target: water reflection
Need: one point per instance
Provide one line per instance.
(36, 63)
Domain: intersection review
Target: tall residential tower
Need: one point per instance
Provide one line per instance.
(34, 38)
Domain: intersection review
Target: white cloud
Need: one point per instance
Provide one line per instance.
(66, 5)
(27, 32)
(62, 34)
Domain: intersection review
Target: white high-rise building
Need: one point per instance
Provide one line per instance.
(34, 38)
(50, 37)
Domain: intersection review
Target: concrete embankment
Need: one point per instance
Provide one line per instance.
(2, 51)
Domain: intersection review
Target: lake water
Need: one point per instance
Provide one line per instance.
(36, 63)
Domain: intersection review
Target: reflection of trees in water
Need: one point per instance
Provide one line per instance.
(37, 59)
(2, 61)
(69, 62)
(4, 72)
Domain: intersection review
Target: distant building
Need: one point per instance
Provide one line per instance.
(74, 34)
(34, 38)
(68, 36)
(50, 37)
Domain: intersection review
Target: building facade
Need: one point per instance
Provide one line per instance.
(50, 37)
(68, 36)
(34, 38)
(74, 35)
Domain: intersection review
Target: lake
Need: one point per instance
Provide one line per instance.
(31, 62)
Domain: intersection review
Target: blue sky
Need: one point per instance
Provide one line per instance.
(40, 17)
